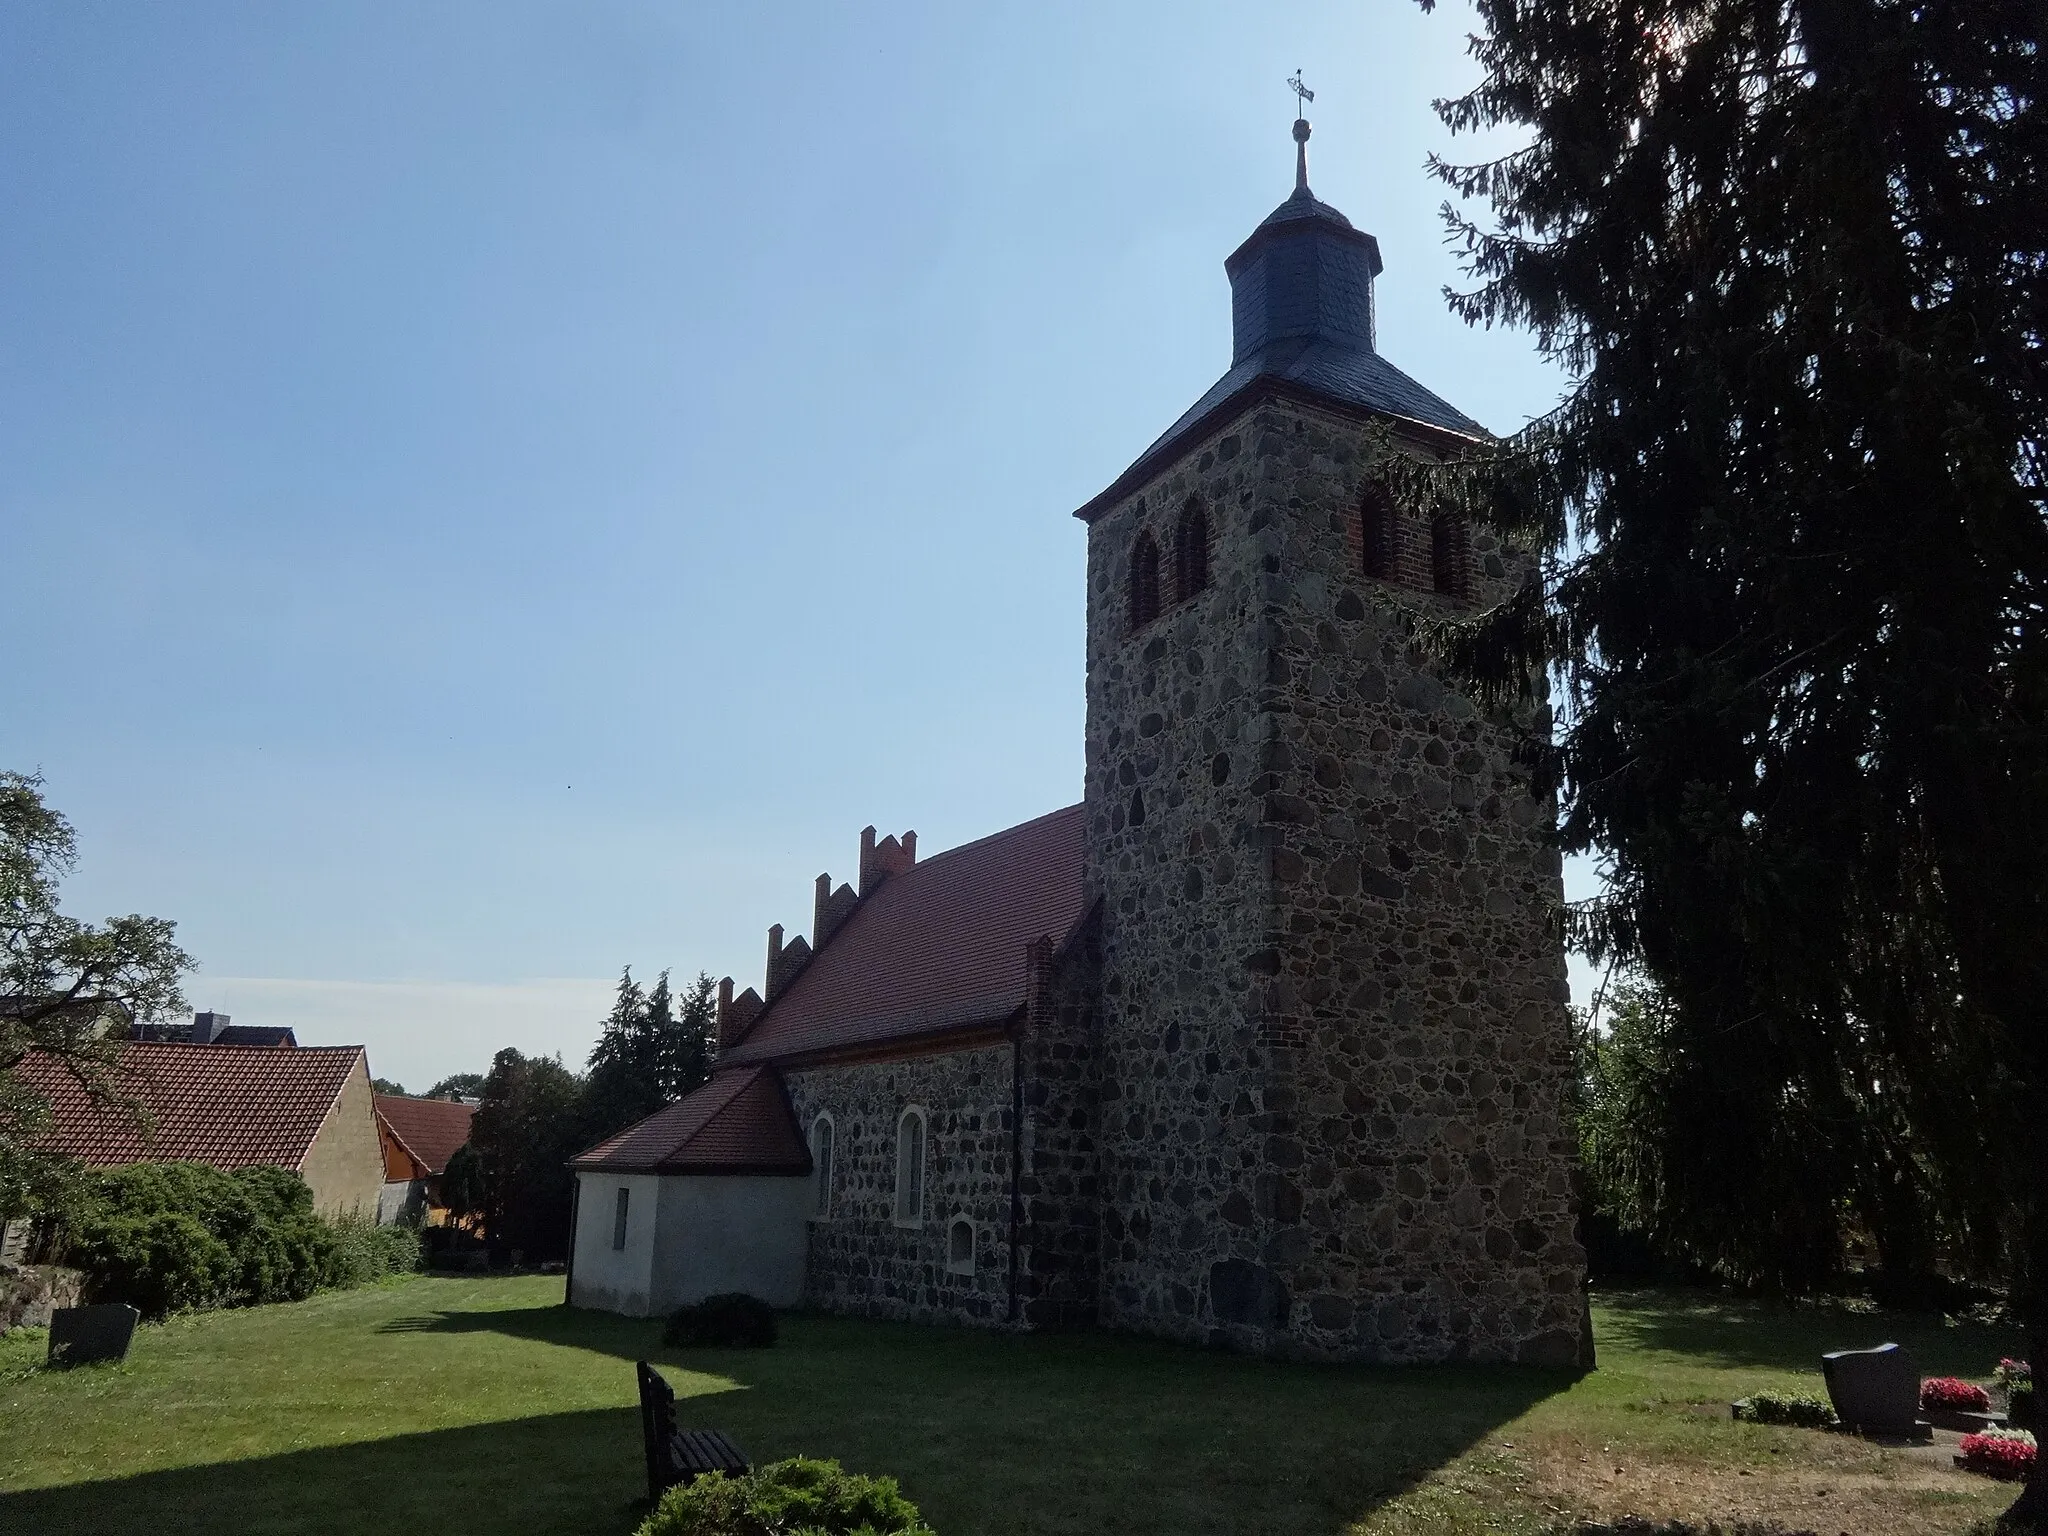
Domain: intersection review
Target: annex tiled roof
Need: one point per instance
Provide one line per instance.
(229, 1105)
(739, 1122)
(938, 946)
(429, 1129)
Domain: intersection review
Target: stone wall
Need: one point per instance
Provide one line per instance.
(862, 1260)
(1060, 1187)
(1334, 1032)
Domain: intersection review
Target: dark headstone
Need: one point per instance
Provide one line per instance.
(1873, 1389)
(83, 1335)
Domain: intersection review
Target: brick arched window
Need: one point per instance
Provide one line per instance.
(1190, 552)
(1450, 555)
(910, 1150)
(1144, 581)
(1376, 533)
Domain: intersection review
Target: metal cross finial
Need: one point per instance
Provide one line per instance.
(1302, 94)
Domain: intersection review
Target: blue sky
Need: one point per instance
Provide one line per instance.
(492, 493)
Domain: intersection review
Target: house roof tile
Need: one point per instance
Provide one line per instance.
(938, 946)
(233, 1106)
(428, 1129)
(740, 1121)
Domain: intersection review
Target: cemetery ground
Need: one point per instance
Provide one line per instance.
(478, 1405)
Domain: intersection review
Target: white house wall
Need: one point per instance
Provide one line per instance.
(721, 1233)
(612, 1279)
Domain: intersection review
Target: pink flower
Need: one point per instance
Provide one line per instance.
(2008, 1456)
(1948, 1392)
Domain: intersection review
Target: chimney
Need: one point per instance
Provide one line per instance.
(207, 1027)
(878, 861)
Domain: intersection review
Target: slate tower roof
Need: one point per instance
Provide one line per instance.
(1302, 324)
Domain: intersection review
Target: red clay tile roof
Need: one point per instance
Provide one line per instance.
(429, 1129)
(739, 1122)
(938, 946)
(229, 1105)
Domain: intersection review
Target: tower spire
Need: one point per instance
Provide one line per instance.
(1302, 97)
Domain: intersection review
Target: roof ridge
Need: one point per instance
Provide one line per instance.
(986, 837)
(746, 1070)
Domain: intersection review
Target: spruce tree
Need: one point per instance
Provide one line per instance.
(1793, 256)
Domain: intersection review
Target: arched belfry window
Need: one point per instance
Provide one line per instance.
(1450, 555)
(1190, 552)
(1376, 533)
(821, 1166)
(1144, 581)
(910, 1150)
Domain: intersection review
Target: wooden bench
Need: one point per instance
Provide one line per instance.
(677, 1455)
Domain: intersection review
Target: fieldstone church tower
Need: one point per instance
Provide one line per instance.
(1264, 1043)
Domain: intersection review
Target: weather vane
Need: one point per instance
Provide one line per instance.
(1302, 94)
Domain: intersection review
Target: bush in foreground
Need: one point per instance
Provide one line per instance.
(816, 1498)
(1954, 1395)
(733, 1320)
(1784, 1408)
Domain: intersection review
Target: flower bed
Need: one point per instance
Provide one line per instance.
(2002, 1453)
(1948, 1392)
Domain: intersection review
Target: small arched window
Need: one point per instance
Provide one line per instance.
(821, 1166)
(1190, 552)
(1376, 533)
(1450, 555)
(960, 1246)
(910, 1167)
(1144, 581)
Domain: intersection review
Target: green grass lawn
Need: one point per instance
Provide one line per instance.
(477, 1406)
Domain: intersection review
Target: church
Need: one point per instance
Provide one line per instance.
(1264, 1043)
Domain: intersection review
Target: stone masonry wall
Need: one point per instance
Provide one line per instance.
(861, 1261)
(1059, 1263)
(1334, 1035)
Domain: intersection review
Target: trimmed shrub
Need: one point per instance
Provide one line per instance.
(1791, 1408)
(167, 1236)
(733, 1320)
(157, 1263)
(2002, 1453)
(2016, 1379)
(1953, 1394)
(817, 1498)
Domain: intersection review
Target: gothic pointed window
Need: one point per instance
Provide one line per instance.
(1190, 552)
(1450, 555)
(1144, 581)
(910, 1131)
(821, 1167)
(1376, 533)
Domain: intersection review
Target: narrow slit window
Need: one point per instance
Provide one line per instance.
(1450, 555)
(1190, 552)
(910, 1166)
(619, 1209)
(1376, 533)
(1144, 581)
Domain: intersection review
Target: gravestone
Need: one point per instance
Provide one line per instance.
(83, 1335)
(1873, 1389)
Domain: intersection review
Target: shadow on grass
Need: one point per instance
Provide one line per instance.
(987, 1433)
(1718, 1331)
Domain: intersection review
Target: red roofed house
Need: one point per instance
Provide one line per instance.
(233, 1106)
(1265, 1042)
(419, 1136)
